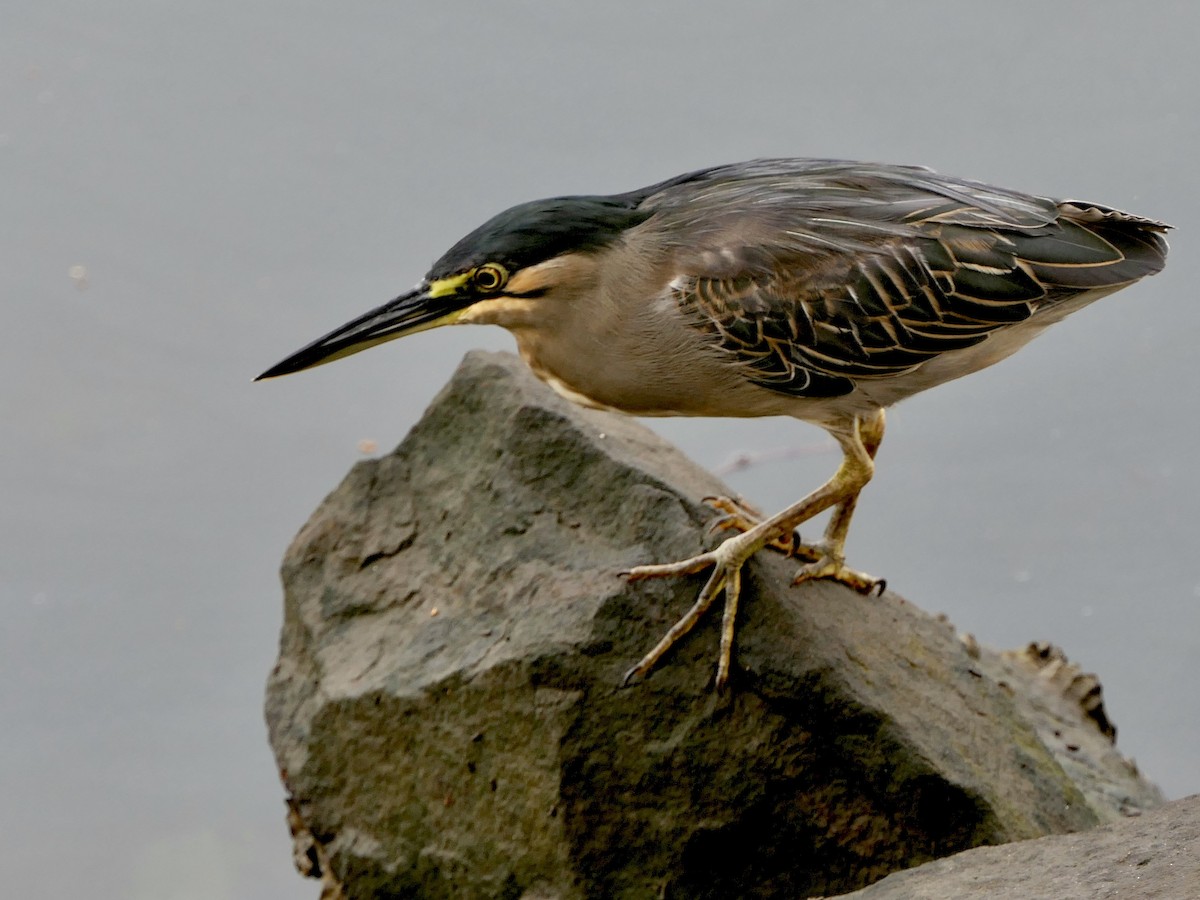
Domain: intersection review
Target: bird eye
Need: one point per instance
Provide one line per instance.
(490, 277)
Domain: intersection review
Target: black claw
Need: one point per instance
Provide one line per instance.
(795, 542)
(716, 525)
(880, 587)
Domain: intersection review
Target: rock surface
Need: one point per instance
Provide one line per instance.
(1156, 855)
(447, 717)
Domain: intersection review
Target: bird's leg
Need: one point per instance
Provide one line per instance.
(828, 557)
(728, 558)
(738, 515)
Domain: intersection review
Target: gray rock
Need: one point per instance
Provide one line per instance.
(447, 717)
(1156, 855)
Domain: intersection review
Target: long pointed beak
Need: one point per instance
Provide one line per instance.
(415, 311)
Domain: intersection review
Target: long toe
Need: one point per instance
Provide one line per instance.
(833, 569)
(669, 570)
(723, 578)
(726, 562)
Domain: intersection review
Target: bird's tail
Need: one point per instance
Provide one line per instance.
(1095, 247)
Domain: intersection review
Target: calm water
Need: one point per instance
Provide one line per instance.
(191, 193)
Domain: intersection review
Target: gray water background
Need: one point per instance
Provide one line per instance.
(188, 192)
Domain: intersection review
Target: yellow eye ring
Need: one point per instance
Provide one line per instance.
(490, 277)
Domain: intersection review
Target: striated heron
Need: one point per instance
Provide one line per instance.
(820, 289)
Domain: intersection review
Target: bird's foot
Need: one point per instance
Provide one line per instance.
(831, 566)
(738, 515)
(726, 562)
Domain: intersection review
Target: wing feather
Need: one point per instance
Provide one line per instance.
(814, 277)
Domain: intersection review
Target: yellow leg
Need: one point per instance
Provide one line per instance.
(829, 555)
(859, 439)
(737, 515)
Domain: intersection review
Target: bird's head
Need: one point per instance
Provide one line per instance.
(502, 271)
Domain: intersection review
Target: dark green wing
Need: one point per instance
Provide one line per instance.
(816, 282)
